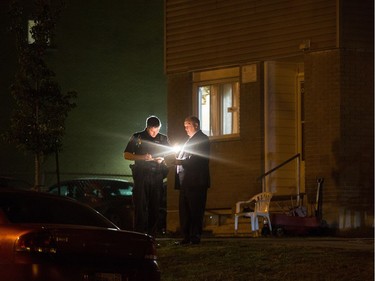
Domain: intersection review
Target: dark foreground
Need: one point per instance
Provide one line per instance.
(281, 259)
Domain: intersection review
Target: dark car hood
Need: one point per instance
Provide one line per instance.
(77, 242)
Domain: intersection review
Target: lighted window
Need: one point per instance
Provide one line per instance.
(217, 102)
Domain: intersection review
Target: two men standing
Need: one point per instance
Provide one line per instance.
(192, 177)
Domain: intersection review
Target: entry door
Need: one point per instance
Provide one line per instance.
(283, 135)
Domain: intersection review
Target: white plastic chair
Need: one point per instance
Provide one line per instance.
(261, 203)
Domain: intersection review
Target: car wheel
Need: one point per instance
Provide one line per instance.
(279, 231)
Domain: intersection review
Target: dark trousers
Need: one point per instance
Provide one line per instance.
(146, 201)
(192, 204)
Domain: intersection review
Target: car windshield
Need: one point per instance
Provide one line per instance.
(20, 208)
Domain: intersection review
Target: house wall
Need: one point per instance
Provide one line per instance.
(339, 130)
(356, 182)
(202, 34)
(334, 42)
(235, 164)
(356, 23)
(281, 115)
(322, 125)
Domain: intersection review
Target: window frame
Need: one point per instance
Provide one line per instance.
(219, 81)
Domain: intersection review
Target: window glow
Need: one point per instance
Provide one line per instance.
(218, 108)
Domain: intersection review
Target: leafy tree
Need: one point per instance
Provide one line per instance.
(38, 121)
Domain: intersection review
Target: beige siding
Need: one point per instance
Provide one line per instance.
(280, 126)
(209, 33)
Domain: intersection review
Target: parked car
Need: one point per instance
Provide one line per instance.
(111, 197)
(9, 182)
(49, 237)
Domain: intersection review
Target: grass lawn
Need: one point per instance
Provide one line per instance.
(280, 259)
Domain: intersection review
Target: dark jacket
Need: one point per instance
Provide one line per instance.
(196, 163)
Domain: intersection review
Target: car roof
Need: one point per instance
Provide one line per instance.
(102, 183)
(7, 194)
(96, 179)
(92, 179)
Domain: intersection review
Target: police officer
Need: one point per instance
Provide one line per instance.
(147, 149)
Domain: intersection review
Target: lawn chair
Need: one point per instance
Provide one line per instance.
(257, 206)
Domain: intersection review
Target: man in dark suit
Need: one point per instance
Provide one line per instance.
(193, 180)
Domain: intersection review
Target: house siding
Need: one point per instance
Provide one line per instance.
(280, 126)
(232, 176)
(201, 34)
(339, 110)
(333, 42)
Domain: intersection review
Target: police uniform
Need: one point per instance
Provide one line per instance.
(148, 179)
